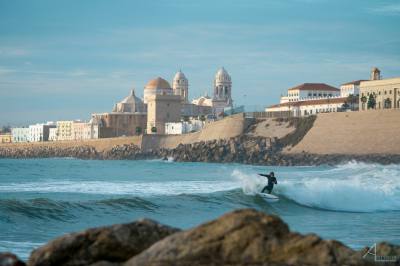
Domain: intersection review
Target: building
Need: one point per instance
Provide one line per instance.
(378, 93)
(127, 118)
(309, 107)
(162, 109)
(65, 130)
(183, 127)
(157, 86)
(5, 138)
(77, 130)
(91, 130)
(180, 86)
(203, 101)
(162, 106)
(130, 104)
(310, 91)
(222, 91)
(40, 132)
(350, 88)
(53, 134)
(190, 110)
(20, 134)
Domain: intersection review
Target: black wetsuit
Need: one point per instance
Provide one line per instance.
(271, 181)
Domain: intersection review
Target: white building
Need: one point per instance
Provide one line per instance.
(40, 132)
(310, 91)
(350, 88)
(203, 101)
(179, 128)
(20, 134)
(310, 107)
(53, 134)
(91, 130)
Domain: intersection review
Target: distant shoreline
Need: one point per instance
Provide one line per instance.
(212, 151)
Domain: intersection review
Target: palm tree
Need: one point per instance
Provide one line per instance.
(363, 100)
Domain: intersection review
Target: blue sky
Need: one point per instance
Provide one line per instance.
(68, 59)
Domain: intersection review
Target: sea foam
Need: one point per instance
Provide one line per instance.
(352, 187)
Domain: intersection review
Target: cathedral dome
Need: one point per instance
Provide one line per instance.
(179, 76)
(222, 75)
(158, 84)
(130, 104)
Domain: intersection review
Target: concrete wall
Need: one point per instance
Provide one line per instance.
(369, 132)
(226, 128)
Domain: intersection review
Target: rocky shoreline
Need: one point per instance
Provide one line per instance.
(242, 237)
(243, 149)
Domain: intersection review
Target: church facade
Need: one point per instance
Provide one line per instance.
(378, 93)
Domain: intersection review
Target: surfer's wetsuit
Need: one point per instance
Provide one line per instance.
(271, 181)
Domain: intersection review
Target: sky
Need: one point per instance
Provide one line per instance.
(68, 59)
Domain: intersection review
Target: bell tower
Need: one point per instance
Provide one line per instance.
(375, 74)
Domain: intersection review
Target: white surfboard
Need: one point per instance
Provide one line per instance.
(268, 197)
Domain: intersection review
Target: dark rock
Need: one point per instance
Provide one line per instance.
(9, 259)
(245, 237)
(103, 245)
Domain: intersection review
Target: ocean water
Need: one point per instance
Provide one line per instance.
(40, 199)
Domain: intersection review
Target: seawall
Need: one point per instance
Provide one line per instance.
(352, 133)
(229, 127)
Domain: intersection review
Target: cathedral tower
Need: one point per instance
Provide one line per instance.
(222, 90)
(180, 86)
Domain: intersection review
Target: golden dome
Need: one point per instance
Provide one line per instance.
(158, 83)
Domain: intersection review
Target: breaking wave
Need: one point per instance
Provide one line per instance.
(351, 187)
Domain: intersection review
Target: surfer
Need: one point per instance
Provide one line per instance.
(271, 181)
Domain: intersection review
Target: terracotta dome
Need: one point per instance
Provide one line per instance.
(158, 84)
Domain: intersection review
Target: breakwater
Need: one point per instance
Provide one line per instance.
(242, 149)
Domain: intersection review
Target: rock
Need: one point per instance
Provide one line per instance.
(245, 237)
(103, 245)
(9, 259)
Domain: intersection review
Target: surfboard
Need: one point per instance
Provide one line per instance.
(268, 197)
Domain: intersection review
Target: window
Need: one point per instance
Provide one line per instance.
(309, 95)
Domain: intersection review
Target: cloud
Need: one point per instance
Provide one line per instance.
(13, 52)
(391, 9)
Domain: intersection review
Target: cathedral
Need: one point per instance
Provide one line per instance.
(222, 93)
(163, 103)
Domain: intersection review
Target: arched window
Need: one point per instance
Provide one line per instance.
(388, 104)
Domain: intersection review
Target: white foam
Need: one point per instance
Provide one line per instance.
(355, 187)
(121, 187)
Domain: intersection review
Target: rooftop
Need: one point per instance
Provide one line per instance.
(314, 87)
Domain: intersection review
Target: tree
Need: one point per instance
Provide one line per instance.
(154, 129)
(371, 102)
(363, 100)
(388, 103)
(138, 130)
(6, 129)
(202, 118)
(352, 100)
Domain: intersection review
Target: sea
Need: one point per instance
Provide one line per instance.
(40, 199)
